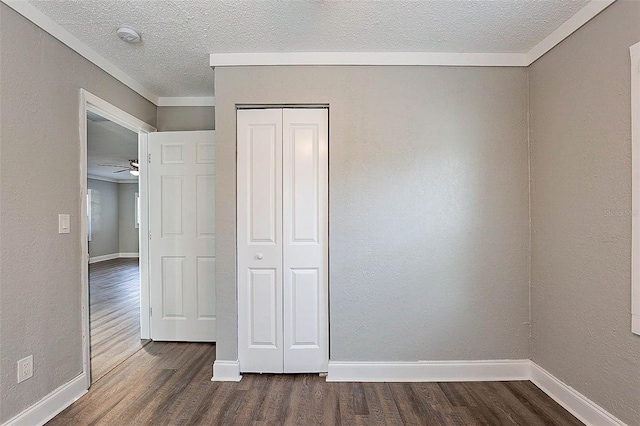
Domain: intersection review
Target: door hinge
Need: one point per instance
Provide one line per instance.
(149, 235)
(149, 159)
(150, 312)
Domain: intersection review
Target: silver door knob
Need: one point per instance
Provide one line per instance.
(259, 256)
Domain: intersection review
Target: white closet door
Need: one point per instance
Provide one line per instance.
(182, 244)
(259, 227)
(305, 231)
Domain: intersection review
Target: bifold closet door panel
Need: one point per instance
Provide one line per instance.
(305, 237)
(259, 227)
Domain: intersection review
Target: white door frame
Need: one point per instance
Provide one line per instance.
(90, 102)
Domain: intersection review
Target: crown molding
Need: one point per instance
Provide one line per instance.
(31, 13)
(106, 179)
(192, 101)
(369, 58)
(572, 24)
(584, 15)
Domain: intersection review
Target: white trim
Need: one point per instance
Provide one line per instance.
(635, 323)
(226, 371)
(428, 371)
(573, 401)
(34, 15)
(128, 255)
(112, 256)
(115, 114)
(143, 235)
(49, 406)
(635, 187)
(84, 243)
(583, 16)
(104, 258)
(90, 102)
(202, 101)
(106, 179)
(369, 58)
(102, 178)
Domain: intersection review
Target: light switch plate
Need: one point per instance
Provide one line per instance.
(64, 224)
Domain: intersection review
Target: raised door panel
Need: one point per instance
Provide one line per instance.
(304, 183)
(205, 206)
(263, 305)
(172, 205)
(305, 309)
(261, 184)
(173, 287)
(206, 278)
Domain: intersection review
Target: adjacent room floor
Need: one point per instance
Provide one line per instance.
(170, 384)
(114, 306)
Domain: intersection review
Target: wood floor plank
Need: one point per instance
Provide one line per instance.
(345, 402)
(532, 397)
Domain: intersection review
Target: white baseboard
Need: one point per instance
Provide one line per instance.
(428, 371)
(128, 255)
(226, 371)
(112, 256)
(102, 258)
(573, 401)
(52, 404)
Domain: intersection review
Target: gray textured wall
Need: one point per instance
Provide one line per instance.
(104, 218)
(40, 269)
(127, 231)
(186, 118)
(429, 225)
(581, 196)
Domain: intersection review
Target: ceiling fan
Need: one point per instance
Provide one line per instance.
(133, 167)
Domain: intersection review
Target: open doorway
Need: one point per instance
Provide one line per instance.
(114, 219)
(113, 235)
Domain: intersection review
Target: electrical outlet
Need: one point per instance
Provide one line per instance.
(25, 368)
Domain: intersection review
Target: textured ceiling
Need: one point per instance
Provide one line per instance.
(178, 36)
(109, 143)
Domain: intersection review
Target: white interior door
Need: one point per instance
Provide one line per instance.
(282, 240)
(182, 236)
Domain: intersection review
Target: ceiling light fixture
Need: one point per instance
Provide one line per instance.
(134, 170)
(128, 35)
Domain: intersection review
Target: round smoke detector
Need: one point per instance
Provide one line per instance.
(129, 35)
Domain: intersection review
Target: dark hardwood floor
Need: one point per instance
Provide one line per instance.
(170, 384)
(114, 307)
